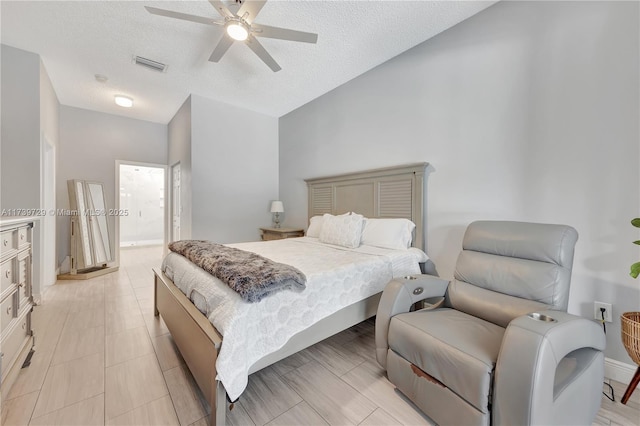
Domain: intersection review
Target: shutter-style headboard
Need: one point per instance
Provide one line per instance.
(391, 192)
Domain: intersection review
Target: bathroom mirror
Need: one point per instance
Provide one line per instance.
(90, 243)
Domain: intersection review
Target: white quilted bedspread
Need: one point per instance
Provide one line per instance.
(336, 277)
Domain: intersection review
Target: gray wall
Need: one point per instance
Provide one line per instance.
(180, 152)
(90, 143)
(20, 134)
(528, 111)
(30, 110)
(234, 171)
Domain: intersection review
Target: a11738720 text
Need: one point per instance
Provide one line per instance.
(63, 212)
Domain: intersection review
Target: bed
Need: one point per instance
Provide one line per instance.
(395, 192)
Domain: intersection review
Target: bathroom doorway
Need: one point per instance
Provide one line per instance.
(141, 210)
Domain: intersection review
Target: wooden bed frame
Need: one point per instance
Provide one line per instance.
(389, 192)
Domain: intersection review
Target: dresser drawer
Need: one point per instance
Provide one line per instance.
(22, 238)
(8, 240)
(8, 311)
(13, 343)
(269, 234)
(6, 274)
(271, 237)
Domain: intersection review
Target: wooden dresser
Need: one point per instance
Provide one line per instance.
(268, 234)
(16, 301)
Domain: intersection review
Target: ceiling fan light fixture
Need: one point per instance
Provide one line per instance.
(237, 30)
(124, 101)
(239, 26)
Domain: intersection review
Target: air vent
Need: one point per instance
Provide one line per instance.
(148, 63)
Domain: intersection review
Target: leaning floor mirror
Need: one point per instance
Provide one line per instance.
(91, 250)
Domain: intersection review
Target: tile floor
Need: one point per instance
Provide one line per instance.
(103, 358)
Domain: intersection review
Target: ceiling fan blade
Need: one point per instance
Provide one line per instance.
(251, 8)
(259, 50)
(222, 47)
(183, 16)
(221, 8)
(283, 33)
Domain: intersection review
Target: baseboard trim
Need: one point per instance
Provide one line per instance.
(618, 371)
(37, 299)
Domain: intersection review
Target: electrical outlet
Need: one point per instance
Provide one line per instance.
(608, 313)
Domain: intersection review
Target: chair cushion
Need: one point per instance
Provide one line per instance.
(491, 306)
(526, 260)
(457, 349)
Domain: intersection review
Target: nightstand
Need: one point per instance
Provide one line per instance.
(268, 234)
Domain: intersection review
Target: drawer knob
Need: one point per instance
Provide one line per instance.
(9, 310)
(22, 236)
(24, 325)
(5, 242)
(7, 274)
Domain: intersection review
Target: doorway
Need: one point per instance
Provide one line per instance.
(141, 207)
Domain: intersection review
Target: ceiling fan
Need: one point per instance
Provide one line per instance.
(240, 26)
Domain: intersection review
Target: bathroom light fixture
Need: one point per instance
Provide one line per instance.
(237, 29)
(277, 207)
(124, 101)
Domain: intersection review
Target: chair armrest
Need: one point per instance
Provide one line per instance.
(397, 297)
(526, 386)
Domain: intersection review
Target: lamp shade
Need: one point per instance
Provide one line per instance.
(277, 207)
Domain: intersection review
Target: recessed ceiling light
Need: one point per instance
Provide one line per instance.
(124, 101)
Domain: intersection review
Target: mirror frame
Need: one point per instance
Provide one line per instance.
(90, 242)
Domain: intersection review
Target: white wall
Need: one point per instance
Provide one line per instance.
(49, 107)
(179, 151)
(90, 143)
(528, 111)
(234, 171)
(49, 135)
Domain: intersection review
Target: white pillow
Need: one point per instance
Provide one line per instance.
(388, 233)
(315, 226)
(345, 231)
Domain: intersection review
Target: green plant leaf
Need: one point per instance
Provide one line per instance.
(635, 268)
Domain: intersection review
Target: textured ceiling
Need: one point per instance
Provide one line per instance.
(78, 39)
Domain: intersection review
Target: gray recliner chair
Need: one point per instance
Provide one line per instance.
(496, 346)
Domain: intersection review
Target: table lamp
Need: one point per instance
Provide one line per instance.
(277, 208)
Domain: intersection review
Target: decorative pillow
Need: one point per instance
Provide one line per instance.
(345, 231)
(388, 233)
(315, 226)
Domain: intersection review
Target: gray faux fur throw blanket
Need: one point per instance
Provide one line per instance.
(252, 276)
